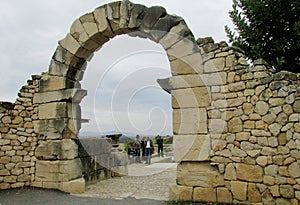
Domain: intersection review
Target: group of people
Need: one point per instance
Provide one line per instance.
(143, 149)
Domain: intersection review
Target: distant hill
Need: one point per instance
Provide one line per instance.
(125, 139)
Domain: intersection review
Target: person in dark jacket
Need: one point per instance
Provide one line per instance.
(160, 145)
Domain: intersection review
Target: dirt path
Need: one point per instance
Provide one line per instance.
(143, 182)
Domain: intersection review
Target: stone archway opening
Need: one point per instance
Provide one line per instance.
(123, 93)
(124, 98)
(62, 110)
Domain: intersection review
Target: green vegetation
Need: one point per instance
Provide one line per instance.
(268, 29)
(166, 139)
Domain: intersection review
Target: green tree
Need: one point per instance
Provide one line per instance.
(268, 29)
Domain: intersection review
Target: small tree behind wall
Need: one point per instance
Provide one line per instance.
(268, 29)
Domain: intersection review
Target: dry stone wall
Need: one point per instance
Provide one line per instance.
(253, 128)
(18, 138)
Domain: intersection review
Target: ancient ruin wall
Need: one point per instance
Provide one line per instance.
(254, 131)
(236, 127)
(18, 139)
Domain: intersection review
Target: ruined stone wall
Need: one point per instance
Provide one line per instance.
(18, 138)
(253, 124)
(100, 160)
(26, 141)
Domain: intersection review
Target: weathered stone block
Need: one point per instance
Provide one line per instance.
(96, 146)
(199, 174)
(217, 126)
(76, 186)
(230, 172)
(180, 193)
(191, 98)
(190, 121)
(73, 46)
(181, 67)
(204, 194)
(261, 108)
(76, 95)
(58, 171)
(235, 125)
(176, 33)
(191, 147)
(253, 193)
(224, 195)
(152, 15)
(58, 110)
(183, 48)
(62, 149)
(239, 190)
(50, 83)
(89, 24)
(163, 26)
(214, 65)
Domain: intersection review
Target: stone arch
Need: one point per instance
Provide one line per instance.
(60, 92)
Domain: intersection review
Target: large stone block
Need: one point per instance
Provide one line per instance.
(102, 22)
(239, 190)
(163, 26)
(57, 149)
(179, 66)
(53, 129)
(200, 174)
(175, 34)
(253, 193)
(58, 171)
(89, 24)
(191, 147)
(224, 195)
(58, 110)
(96, 146)
(191, 98)
(184, 47)
(137, 14)
(214, 65)
(190, 121)
(180, 193)
(74, 47)
(76, 186)
(204, 194)
(74, 95)
(51, 83)
(152, 15)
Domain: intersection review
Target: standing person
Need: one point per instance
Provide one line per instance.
(137, 148)
(149, 147)
(160, 145)
(143, 147)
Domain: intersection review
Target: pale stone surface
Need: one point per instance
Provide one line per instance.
(261, 108)
(190, 121)
(191, 98)
(191, 147)
(204, 194)
(214, 65)
(253, 193)
(224, 195)
(239, 190)
(76, 186)
(180, 193)
(249, 172)
(75, 95)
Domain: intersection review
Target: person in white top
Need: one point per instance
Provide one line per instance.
(149, 147)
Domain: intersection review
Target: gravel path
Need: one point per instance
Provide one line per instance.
(143, 182)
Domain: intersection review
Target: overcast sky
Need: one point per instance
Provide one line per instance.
(121, 78)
